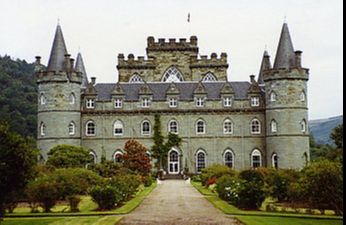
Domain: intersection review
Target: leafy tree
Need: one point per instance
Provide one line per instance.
(337, 136)
(136, 158)
(108, 168)
(17, 160)
(65, 156)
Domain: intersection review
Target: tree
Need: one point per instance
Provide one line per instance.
(65, 156)
(136, 158)
(17, 161)
(337, 136)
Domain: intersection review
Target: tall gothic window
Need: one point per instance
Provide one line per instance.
(302, 96)
(209, 77)
(255, 126)
(146, 129)
(118, 157)
(42, 99)
(227, 126)
(42, 129)
(275, 163)
(136, 79)
(273, 96)
(200, 160)
(303, 126)
(93, 157)
(90, 128)
(71, 128)
(118, 128)
(173, 126)
(229, 158)
(172, 75)
(200, 127)
(273, 126)
(256, 158)
(72, 98)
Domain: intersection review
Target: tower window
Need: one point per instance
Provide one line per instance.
(275, 163)
(72, 98)
(273, 97)
(200, 127)
(136, 79)
(227, 127)
(118, 128)
(90, 103)
(172, 75)
(227, 102)
(146, 128)
(209, 77)
(71, 128)
(118, 103)
(302, 96)
(173, 102)
(273, 126)
(255, 126)
(256, 158)
(303, 126)
(255, 101)
(173, 127)
(42, 99)
(199, 102)
(90, 128)
(42, 129)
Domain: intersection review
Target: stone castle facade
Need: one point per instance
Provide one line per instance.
(262, 122)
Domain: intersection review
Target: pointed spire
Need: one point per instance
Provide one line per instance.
(265, 65)
(285, 57)
(80, 68)
(58, 52)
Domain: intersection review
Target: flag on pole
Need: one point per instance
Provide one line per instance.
(188, 18)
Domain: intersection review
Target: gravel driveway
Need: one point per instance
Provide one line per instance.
(176, 202)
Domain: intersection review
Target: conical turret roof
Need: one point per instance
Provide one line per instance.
(58, 52)
(285, 56)
(80, 68)
(264, 66)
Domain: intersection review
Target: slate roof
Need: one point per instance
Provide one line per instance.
(57, 54)
(159, 90)
(285, 56)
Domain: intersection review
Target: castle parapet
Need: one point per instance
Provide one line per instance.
(212, 61)
(172, 44)
(132, 63)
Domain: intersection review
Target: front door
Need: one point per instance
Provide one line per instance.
(173, 162)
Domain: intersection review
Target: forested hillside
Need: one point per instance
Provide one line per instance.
(322, 128)
(18, 95)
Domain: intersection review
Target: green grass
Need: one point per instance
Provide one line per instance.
(259, 220)
(89, 220)
(265, 218)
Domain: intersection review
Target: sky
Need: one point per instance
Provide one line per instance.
(102, 29)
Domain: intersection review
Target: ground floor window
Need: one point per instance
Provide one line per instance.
(200, 161)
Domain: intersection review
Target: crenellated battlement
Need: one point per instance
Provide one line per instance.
(172, 44)
(59, 76)
(212, 61)
(132, 63)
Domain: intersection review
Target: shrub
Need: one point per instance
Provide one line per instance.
(108, 169)
(228, 188)
(126, 184)
(106, 197)
(215, 171)
(147, 180)
(67, 156)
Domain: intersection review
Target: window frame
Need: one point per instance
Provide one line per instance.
(42, 129)
(170, 127)
(200, 102)
(275, 162)
(87, 129)
(118, 103)
(145, 133)
(73, 126)
(136, 78)
(197, 126)
(172, 74)
(198, 167)
(209, 77)
(145, 102)
(258, 131)
(255, 101)
(226, 162)
(118, 122)
(224, 126)
(227, 101)
(43, 99)
(258, 153)
(72, 98)
(273, 126)
(273, 97)
(173, 100)
(90, 103)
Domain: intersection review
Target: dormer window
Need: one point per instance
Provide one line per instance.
(173, 102)
(255, 101)
(199, 102)
(227, 101)
(118, 103)
(145, 102)
(90, 103)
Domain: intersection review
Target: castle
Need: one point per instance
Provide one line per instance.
(262, 122)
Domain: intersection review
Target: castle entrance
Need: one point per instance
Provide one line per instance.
(173, 162)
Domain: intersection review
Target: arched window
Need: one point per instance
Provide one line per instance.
(273, 126)
(118, 156)
(303, 126)
(256, 158)
(173, 126)
(227, 126)
(72, 98)
(172, 75)
(42, 99)
(146, 129)
(93, 157)
(90, 128)
(118, 128)
(229, 158)
(272, 96)
(42, 129)
(209, 77)
(302, 96)
(275, 161)
(136, 79)
(200, 160)
(200, 127)
(71, 128)
(255, 126)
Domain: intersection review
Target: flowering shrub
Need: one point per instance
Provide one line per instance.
(228, 188)
(211, 181)
(214, 172)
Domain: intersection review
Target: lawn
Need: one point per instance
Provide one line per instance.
(265, 218)
(86, 220)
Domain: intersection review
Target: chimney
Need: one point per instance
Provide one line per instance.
(38, 60)
(67, 62)
(93, 80)
(298, 58)
(252, 79)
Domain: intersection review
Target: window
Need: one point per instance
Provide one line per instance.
(173, 102)
(273, 96)
(229, 158)
(256, 159)
(118, 103)
(275, 161)
(199, 102)
(71, 128)
(200, 161)
(93, 157)
(90, 129)
(136, 79)
(200, 127)
(173, 126)
(172, 75)
(227, 101)
(118, 157)
(303, 126)
(145, 102)
(302, 96)
(255, 126)
(255, 101)
(42, 129)
(227, 127)
(118, 128)
(209, 77)
(72, 98)
(42, 99)
(273, 126)
(146, 128)
(90, 103)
